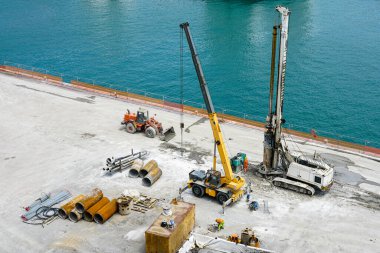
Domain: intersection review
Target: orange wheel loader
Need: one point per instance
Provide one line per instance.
(140, 122)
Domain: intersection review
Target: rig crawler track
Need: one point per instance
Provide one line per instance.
(293, 185)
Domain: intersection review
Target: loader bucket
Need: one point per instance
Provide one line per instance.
(168, 134)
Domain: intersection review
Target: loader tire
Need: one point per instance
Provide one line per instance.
(150, 132)
(131, 128)
(198, 191)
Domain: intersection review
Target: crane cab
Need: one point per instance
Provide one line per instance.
(213, 179)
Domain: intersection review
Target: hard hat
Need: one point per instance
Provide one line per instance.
(219, 220)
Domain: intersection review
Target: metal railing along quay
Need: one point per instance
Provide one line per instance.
(330, 138)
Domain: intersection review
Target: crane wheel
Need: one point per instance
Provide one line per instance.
(131, 128)
(198, 191)
(150, 132)
(222, 197)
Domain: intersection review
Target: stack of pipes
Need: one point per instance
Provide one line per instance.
(81, 206)
(150, 173)
(121, 163)
(92, 207)
(48, 200)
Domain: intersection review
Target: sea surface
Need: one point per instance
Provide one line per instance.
(333, 69)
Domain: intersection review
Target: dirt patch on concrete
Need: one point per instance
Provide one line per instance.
(198, 122)
(84, 100)
(189, 151)
(87, 136)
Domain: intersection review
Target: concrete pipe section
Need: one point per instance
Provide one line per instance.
(152, 176)
(64, 211)
(148, 167)
(135, 168)
(89, 214)
(89, 201)
(75, 216)
(106, 212)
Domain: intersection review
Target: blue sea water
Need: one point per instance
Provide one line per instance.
(333, 70)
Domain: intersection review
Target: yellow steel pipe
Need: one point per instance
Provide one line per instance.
(89, 201)
(148, 167)
(75, 216)
(64, 211)
(135, 168)
(90, 213)
(106, 212)
(152, 176)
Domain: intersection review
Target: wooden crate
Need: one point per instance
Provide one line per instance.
(163, 240)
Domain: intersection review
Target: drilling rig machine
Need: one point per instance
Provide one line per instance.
(290, 170)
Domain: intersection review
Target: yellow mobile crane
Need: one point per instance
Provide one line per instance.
(228, 188)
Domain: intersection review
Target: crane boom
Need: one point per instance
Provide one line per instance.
(218, 136)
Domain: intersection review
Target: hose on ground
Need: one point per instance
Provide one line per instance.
(43, 215)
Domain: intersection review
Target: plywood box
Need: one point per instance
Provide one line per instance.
(164, 240)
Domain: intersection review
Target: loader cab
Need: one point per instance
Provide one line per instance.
(142, 116)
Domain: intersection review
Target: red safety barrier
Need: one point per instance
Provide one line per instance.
(31, 74)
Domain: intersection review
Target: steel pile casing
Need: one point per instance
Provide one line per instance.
(153, 175)
(136, 167)
(75, 216)
(65, 210)
(89, 201)
(148, 167)
(85, 204)
(106, 212)
(89, 214)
